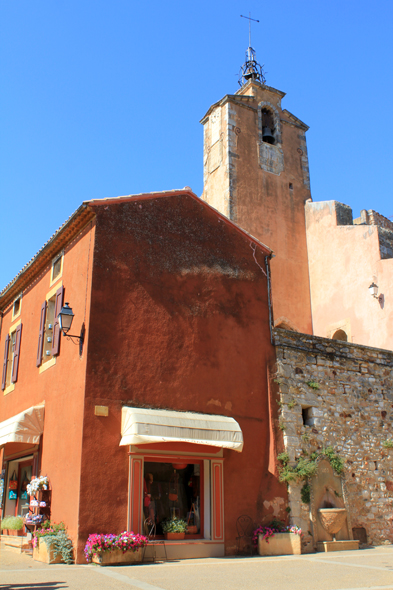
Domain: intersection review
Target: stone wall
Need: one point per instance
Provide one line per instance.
(338, 394)
(372, 217)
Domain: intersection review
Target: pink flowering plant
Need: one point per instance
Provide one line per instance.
(274, 527)
(126, 541)
(48, 529)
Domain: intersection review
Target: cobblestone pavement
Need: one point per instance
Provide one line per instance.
(370, 569)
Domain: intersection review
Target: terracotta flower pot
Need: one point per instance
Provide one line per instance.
(174, 536)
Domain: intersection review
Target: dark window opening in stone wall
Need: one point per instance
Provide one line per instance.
(268, 127)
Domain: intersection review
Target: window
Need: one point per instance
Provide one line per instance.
(17, 306)
(49, 333)
(11, 358)
(57, 268)
(173, 490)
(307, 416)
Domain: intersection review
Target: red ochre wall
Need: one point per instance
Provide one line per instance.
(61, 386)
(180, 321)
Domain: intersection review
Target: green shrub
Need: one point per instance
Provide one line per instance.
(305, 493)
(12, 523)
(175, 525)
(313, 384)
(388, 444)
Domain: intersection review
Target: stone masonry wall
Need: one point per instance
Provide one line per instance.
(349, 406)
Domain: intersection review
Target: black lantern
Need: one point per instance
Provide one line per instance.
(66, 316)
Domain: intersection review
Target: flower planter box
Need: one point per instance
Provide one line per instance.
(117, 557)
(45, 554)
(175, 536)
(12, 533)
(280, 544)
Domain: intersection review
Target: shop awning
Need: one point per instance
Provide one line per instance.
(141, 426)
(25, 427)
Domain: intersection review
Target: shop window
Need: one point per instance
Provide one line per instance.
(173, 490)
(57, 267)
(49, 333)
(11, 358)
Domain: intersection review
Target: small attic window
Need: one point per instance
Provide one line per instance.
(340, 335)
(268, 127)
(16, 308)
(57, 267)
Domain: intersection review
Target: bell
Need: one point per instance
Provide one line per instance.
(267, 135)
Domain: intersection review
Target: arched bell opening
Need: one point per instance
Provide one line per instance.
(268, 127)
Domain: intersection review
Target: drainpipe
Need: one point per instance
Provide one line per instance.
(269, 299)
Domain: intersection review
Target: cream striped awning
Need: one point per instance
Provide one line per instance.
(141, 426)
(25, 427)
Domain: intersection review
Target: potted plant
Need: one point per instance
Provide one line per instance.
(51, 544)
(277, 539)
(174, 528)
(37, 484)
(13, 525)
(115, 549)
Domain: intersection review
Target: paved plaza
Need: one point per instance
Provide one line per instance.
(370, 569)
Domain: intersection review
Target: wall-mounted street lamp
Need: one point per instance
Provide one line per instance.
(373, 290)
(66, 316)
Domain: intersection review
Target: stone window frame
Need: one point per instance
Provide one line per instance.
(277, 122)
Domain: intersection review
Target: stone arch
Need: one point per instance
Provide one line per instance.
(340, 335)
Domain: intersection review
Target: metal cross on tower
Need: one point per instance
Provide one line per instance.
(251, 69)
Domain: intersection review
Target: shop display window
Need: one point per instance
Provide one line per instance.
(173, 490)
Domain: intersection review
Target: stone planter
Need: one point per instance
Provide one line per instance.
(45, 554)
(280, 544)
(117, 557)
(174, 536)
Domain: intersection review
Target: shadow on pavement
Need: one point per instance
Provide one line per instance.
(42, 586)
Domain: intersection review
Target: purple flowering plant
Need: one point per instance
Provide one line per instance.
(126, 541)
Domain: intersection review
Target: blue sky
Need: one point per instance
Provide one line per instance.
(101, 99)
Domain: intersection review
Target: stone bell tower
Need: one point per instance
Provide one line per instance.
(256, 173)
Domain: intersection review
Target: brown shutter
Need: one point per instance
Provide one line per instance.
(4, 376)
(56, 328)
(41, 334)
(15, 364)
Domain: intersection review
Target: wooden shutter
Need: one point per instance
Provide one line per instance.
(15, 363)
(4, 376)
(41, 334)
(56, 328)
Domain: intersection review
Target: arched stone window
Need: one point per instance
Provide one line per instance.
(340, 335)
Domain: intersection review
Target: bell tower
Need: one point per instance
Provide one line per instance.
(256, 173)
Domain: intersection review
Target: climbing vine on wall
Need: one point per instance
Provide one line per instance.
(306, 467)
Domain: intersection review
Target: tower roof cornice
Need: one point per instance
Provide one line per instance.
(240, 98)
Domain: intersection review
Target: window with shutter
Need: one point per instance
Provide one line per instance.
(41, 334)
(11, 358)
(56, 327)
(16, 354)
(5, 363)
